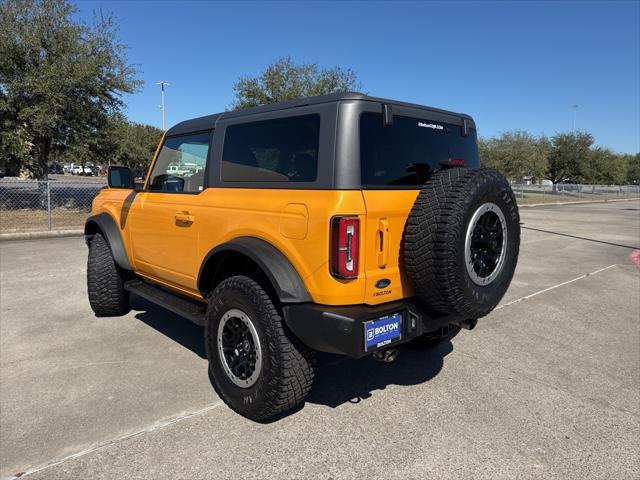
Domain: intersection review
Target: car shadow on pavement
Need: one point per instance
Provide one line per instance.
(172, 325)
(338, 379)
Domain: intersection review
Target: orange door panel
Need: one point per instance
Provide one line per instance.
(164, 236)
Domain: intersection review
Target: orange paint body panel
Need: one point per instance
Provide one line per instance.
(168, 250)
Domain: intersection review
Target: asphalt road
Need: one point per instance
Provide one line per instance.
(547, 386)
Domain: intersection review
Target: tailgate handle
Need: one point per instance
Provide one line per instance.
(184, 217)
(383, 242)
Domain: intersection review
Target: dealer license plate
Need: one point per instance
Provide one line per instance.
(383, 331)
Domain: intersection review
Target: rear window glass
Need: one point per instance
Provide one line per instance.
(281, 150)
(409, 151)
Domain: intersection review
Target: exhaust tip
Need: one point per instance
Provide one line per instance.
(387, 356)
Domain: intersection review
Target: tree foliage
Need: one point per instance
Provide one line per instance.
(568, 152)
(286, 80)
(61, 81)
(565, 156)
(134, 143)
(516, 154)
(633, 168)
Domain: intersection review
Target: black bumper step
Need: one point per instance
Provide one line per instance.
(340, 329)
(189, 309)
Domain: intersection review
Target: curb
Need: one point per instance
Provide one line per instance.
(45, 234)
(577, 202)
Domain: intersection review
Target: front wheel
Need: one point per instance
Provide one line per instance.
(256, 365)
(105, 281)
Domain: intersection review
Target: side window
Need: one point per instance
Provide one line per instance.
(181, 164)
(281, 150)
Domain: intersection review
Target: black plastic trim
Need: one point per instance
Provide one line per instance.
(110, 231)
(340, 329)
(187, 308)
(286, 281)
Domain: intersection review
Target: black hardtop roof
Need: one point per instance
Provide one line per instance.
(209, 121)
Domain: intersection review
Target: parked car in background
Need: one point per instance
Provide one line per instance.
(56, 169)
(79, 170)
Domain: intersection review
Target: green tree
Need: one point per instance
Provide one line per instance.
(568, 153)
(516, 154)
(604, 166)
(61, 80)
(633, 169)
(286, 80)
(134, 144)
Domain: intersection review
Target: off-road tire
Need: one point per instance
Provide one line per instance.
(432, 340)
(287, 364)
(434, 242)
(105, 281)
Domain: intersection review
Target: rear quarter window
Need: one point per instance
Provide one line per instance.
(279, 150)
(408, 152)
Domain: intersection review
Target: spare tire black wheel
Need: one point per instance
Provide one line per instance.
(462, 241)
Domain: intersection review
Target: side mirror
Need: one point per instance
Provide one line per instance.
(138, 184)
(119, 177)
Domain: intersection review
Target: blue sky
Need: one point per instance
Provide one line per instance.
(519, 65)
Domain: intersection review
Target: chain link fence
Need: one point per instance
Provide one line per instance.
(64, 203)
(568, 192)
(55, 204)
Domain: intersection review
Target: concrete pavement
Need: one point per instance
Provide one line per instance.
(547, 386)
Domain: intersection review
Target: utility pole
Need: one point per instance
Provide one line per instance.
(575, 112)
(162, 85)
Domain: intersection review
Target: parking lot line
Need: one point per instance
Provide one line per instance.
(149, 429)
(555, 286)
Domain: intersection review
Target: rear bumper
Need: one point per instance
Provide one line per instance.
(342, 329)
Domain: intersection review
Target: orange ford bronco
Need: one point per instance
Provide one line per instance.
(342, 223)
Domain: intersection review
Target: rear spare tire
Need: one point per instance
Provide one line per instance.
(462, 241)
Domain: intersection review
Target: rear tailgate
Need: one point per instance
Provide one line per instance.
(387, 213)
(396, 160)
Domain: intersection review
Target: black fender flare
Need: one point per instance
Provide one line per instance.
(286, 281)
(105, 224)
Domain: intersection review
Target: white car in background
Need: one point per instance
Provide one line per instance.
(78, 170)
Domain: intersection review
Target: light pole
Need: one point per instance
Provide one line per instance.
(162, 85)
(575, 112)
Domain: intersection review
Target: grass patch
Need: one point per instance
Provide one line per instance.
(27, 220)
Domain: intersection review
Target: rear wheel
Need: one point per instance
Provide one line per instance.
(105, 281)
(256, 365)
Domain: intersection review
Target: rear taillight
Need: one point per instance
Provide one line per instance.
(345, 246)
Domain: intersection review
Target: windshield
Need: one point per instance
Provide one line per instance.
(409, 151)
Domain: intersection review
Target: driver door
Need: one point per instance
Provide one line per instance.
(165, 217)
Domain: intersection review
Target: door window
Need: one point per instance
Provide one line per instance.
(180, 166)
